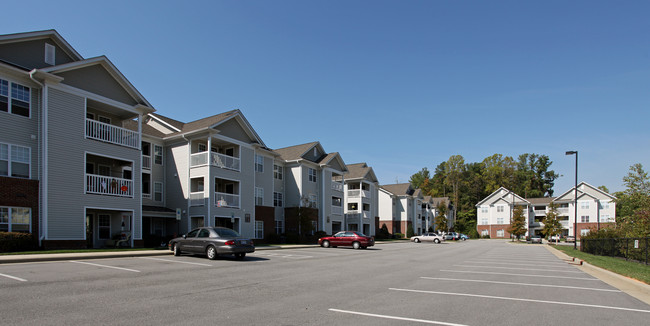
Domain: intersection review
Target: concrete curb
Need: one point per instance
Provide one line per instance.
(628, 285)
(14, 259)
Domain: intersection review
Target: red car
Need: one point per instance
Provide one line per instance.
(352, 239)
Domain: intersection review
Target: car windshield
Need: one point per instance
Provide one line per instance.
(226, 233)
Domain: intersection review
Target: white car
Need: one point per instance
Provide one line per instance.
(429, 236)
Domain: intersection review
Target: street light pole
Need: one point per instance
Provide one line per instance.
(575, 202)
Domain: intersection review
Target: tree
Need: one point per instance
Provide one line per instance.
(637, 181)
(518, 222)
(440, 219)
(453, 176)
(603, 188)
(551, 225)
(633, 204)
(420, 180)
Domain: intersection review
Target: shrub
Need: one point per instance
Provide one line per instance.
(399, 235)
(409, 233)
(383, 232)
(17, 241)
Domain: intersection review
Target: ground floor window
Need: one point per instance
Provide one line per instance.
(279, 227)
(584, 232)
(197, 222)
(500, 233)
(485, 233)
(15, 219)
(104, 226)
(259, 229)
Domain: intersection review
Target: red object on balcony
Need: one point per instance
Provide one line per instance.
(124, 188)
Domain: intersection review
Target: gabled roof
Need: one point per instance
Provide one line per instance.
(541, 201)
(327, 159)
(568, 195)
(437, 200)
(110, 68)
(360, 171)
(37, 35)
(503, 194)
(296, 152)
(399, 189)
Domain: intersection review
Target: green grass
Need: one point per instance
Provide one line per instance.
(638, 271)
(68, 251)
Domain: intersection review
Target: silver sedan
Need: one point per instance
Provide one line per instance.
(429, 236)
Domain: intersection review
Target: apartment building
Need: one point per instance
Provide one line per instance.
(596, 209)
(361, 199)
(62, 118)
(313, 185)
(400, 208)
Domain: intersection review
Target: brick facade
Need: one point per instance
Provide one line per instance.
(493, 229)
(16, 192)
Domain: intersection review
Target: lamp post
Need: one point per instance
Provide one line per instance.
(575, 202)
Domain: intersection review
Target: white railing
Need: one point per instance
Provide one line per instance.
(226, 200)
(197, 199)
(540, 212)
(337, 186)
(225, 161)
(103, 185)
(112, 134)
(198, 159)
(146, 162)
(146, 196)
(337, 210)
(563, 210)
(355, 193)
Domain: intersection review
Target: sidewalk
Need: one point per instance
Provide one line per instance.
(628, 285)
(13, 259)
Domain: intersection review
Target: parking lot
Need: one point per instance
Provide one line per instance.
(465, 283)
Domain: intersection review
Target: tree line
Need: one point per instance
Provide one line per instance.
(468, 183)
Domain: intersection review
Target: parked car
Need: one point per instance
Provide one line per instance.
(570, 239)
(352, 239)
(463, 237)
(535, 239)
(429, 236)
(212, 242)
(452, 236)
(554, 238)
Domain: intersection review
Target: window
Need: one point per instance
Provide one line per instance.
(15, 219)
(259, 163)
(584, 232)
(259, 229)
(484, 209)
(279, 229)
(312, 201)
(353, 206)
(500, 233)
(604, 217)
(204, 233)
(485, 233)
(18, 102)
(277, 172)
(104, 227)
(605, 205)
(196, 222)
(201, 147)
(15, 161)
(336, 201)
(259, 196)
(500, 220)
(158, 154)
(146, 185)
(484, 221)
(500, 209)
(158, 191)
(50, 54)
(105, 120)
(584, 219)
(277, 199)
(584, 205)
(311, 175)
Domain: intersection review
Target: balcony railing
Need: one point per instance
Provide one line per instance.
(226, 200)
(112, 134)
(540, 212)
(337, 186)
(563, 210)
(216, 159)
(146, 162)
(358, 214)
(337, 210)
(197, 199)
(103, 185)
(355, 193)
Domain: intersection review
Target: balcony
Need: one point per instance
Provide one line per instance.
(356, 193)
(112, 134)
(111, 186)
(337, 210)
(563, 210)
(358, 214)
(540, 212)
(337, 186)
(226, 200)
(216, 159)
(197, 199)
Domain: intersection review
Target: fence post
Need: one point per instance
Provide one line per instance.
(646, 250)
(627, 246)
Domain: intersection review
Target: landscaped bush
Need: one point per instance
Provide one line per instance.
(17, 241)
(383, 233)
(399, 235)
(409, 233)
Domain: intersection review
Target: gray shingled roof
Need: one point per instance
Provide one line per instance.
(540, 201)
(400, 189)
(293, 153)
(183, 127)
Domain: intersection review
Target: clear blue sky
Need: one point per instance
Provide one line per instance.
(400, 85)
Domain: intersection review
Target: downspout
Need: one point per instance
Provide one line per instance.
(322, 173)
(43, 152)
(189, 162)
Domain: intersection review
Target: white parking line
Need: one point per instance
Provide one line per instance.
(525, 300)
(523, 269)
(485, 261)
(522, 260)
(99, 265)
(525, 284)
(176, 261)
(13, 277)
(424, 321)
(283, 255)
(528, 275)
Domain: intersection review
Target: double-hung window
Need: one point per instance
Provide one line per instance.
(500, 209)
(15, 161)
(311, 175)
(259, 163)
(279, 229)
(104, 226)
(277, 172)
(15, 219)
(259, 229)
(259, 196)
(158, 191)
(158, 154)
(14, 98)
(278, 200)
(500, 220)
(584, 219)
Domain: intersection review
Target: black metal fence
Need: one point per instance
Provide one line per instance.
(628, 248)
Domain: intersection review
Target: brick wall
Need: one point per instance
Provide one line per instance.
(16, 192)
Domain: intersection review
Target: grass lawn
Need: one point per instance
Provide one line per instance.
(635, 270)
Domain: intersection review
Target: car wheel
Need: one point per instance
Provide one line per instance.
(211, 252)
(326, 244)
(464, 239)
(176, 249)
(240, 256)
(436, 240)
(356, 245)
(416, 240)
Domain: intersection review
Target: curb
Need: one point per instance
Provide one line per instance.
(628, 285)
